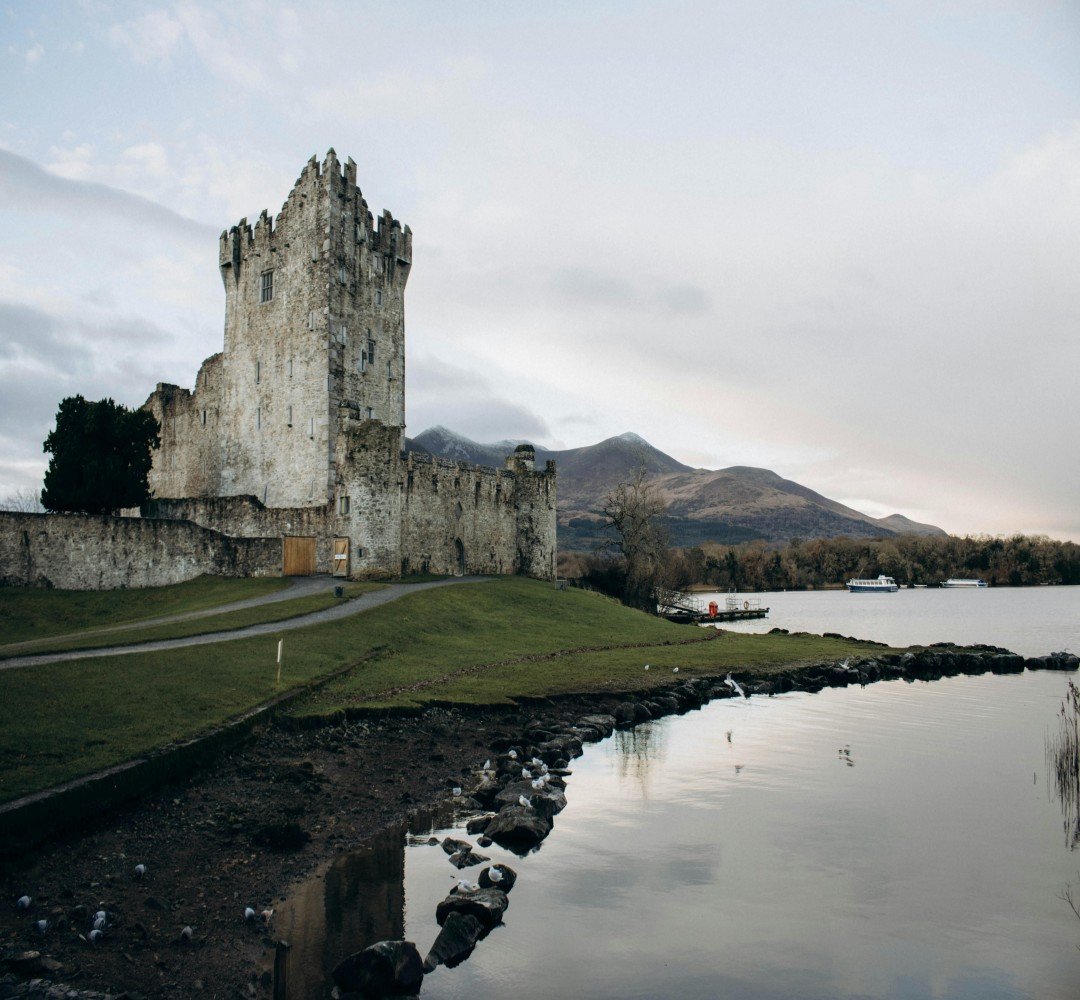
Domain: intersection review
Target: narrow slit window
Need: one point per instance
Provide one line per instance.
(290, 367)
(288, 416)
(258, 418)
(371, 352)
(266, 286)
(258, 372)
(390, 370)
(204, 418)
(311, 426)
(370, 413)
(343, 505)
(378, 296)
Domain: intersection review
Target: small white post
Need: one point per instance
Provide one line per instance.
(280, 646)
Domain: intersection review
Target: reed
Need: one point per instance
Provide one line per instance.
(1063, 763)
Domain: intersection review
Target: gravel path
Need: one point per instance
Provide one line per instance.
(343, 610)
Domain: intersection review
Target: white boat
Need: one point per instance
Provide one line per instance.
(883, 584)
(964, 583)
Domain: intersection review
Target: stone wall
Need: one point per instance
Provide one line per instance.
(91, 552)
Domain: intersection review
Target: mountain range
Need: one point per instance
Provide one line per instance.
(728, 506)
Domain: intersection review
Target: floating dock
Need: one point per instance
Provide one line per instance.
(686, 610)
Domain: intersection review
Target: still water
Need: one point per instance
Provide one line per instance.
(1027, 620)
(894, 841)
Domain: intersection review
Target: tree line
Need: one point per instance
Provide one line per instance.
(640, 561)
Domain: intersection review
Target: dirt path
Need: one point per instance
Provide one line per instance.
(343, 610)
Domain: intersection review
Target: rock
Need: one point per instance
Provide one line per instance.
(486, 790)
(604, 724)
(485, 841)
(452, 846)
(505, 883)
(478, 824)
(389, 968)
(33, 963)
(518, 828)
(624, 714)
(466, 859)
(548, 801)
(455, 942)
(486, 905)
(281, 837)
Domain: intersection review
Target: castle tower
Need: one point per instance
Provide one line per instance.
(314, 336)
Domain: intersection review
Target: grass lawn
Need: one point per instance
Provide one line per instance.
(276, 612)
(33, 613)
(66, 719)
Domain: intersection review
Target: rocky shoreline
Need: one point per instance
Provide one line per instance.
(238, 835)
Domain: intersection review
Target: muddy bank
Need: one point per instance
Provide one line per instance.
(245, 831)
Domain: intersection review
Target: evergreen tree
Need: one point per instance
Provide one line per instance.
(101, 457)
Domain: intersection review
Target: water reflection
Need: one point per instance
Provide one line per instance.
(637, 750)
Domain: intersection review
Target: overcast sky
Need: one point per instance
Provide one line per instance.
(837, 240)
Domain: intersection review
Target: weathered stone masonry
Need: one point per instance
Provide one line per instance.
(298, 426)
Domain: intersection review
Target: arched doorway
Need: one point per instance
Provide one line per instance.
(459, 557)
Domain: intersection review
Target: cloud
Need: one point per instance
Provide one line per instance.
(23, 185)
(34, 54)
(149, 39)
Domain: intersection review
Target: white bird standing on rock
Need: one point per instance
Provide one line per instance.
(457, 791)
(646, 666)
(526, 773)
(734, 685)
(464, 886)
(495, 874)
(487, 764)
(537, 762)
(42, 926)
(537, 785)
(523, 801)
(513, 755)
(674, 670)
(23, 903)
(140, 871)
(95, 936)
(99, 923)
(249, 914)
(186, 933)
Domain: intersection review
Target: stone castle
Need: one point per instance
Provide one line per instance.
(297, 428)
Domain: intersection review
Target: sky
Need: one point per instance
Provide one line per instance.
(839, 240)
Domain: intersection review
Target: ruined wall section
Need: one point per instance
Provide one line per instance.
(447, 504)
(188, 463)
(91, 552)
(535, 516)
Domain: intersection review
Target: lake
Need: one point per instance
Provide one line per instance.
(895, 841)
(1027, 620)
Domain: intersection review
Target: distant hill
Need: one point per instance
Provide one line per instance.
(725, 505)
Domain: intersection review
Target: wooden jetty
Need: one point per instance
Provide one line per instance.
(683, 609)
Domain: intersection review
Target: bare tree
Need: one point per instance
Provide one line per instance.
(23, 501)
(634, 509)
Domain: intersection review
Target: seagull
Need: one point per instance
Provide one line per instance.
(23, 903)
(646, 666)
(513, 755)
(464, 886)
(537, 762)
(844, 663)
(186, 933)
(95, 936)
(544, 769)
(537, 784)
(140, 871)
(457, 791)
(487, 764)
(674, 670)
(734, 685)
(523, 801)
(249, 914)
(100, 915)
(526, 773)
(99, 923)
(495, 873)
(42, 926)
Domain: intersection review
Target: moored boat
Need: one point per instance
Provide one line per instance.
(883, 584)
(952, 583)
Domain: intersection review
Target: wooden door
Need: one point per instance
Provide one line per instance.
(341, 557)
(299, 555)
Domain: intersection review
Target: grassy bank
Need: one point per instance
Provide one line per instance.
(471, 643)
(31, 613)
(203, 625)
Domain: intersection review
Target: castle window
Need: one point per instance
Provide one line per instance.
(266, 286)
(343, 505)
(390, 370)
(361, 362)
(370, 413)
(290, 367)
(434, 484)
(409, 483)
(258, 372)
(378, 297)
(288, 416)
(342, 274)
(376, 263)
(204, 418)
(311, 427)
(258, 417)
(476, 493)
(371, 352)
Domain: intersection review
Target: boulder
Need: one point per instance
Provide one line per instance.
(486, 905)
(452, 846)
(518, 828)
(549, 802)
(505, 881)
(478, 824)
(624, 714)
(389, 968)
(485, 792)
(466, 859)
(455, 942)
(603, 723)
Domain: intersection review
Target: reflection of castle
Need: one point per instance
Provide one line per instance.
(360, 901)
(298, 426)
